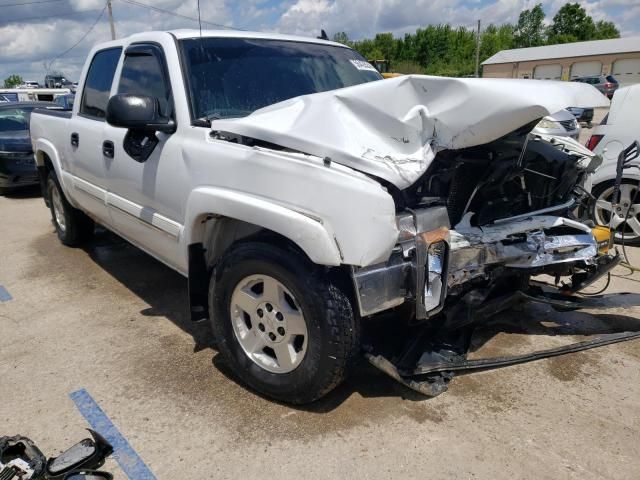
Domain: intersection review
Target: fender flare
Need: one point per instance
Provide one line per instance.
(42, 145)
(314, 236)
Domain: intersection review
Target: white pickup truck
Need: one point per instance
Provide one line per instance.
(302, 195)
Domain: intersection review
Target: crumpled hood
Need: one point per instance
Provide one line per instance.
(393, 128)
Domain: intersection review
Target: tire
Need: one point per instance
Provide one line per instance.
(72, 226)
(330, 340)
(601, 216)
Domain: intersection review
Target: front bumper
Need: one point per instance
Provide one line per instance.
(535, 244)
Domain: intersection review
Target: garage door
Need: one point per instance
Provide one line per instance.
(548, 72)
(585, 69)
(627, 71)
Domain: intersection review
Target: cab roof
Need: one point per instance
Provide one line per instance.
(223, 33)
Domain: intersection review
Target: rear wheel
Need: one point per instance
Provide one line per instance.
(280, 323)
(629, 206)
(72, 226)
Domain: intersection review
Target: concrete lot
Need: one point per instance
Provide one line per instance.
(112, 320)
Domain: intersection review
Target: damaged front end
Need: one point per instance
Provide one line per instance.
(512, 203)
(515, 238)
(488, 214)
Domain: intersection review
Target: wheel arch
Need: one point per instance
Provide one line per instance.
(47, 160)
(217, 234)
(239, 214)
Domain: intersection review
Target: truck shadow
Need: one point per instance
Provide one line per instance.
(23, 192)
(159, 286)
(165, 291)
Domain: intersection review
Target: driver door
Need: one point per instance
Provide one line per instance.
(143, 204)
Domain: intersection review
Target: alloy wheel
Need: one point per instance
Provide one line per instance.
(605, 213)
(269, 323)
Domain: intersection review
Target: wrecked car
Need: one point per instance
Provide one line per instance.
(302, 195)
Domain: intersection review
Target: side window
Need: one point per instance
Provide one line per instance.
(97, 87)
(144, 73)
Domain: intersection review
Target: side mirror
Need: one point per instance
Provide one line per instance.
(138, 112)
(89, 475)
(88, 453)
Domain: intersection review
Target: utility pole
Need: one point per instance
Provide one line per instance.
(478, 51)
(113, 28)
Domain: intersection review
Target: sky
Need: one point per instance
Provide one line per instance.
(35, 34)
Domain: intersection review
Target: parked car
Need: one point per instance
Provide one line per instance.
(617, 131)
(583, 115)
(560, 124)
(271, 172)
(607, 84)
(17, 165)
(30, 84)
(57, 80)
(65, 101)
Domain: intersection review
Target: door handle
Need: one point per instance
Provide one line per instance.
(107, 148)
(75, 139)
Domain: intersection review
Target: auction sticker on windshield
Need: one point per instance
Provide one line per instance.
(362, 65)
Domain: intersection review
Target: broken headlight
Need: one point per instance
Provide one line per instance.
(434, 281)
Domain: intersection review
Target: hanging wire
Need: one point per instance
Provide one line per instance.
(80, 40)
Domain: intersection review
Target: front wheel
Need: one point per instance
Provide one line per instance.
(280, 323)
(72, 226)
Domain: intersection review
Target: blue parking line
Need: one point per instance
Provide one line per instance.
(5, 296)
(124, 454)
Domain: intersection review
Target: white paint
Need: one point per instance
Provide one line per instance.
(336, 213)
(620, 131)
(393, 128)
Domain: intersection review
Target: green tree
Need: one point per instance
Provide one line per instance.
(530, 30)
(571, 24)
(12, 81)
(385, 43)
(493, 39)
(446, 50)
(605, 30)
(342, 37)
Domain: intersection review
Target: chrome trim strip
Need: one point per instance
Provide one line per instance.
(88, 188)
(555, 208)
(156, 221)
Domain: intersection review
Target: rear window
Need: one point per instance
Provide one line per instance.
(95, 93)
(9, 97)
(232, 77)
(15, 119)
(611, 79)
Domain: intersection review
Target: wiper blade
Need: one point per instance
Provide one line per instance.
(206, 120)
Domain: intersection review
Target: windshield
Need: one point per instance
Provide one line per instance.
(14, 119)
(232, 77)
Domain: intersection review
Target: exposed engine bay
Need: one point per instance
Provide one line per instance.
(504, 211)
(513, 175)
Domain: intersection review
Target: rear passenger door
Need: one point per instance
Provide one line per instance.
(85, 138)
(142, 198)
